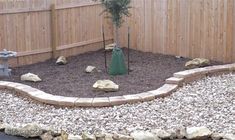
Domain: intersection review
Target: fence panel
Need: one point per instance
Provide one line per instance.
(26, 27)
(189, 28)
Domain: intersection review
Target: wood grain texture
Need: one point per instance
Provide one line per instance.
(26, 26)
(189, 28)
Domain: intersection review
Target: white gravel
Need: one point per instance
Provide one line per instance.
(209, 102)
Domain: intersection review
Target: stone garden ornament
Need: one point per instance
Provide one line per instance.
(4, 67)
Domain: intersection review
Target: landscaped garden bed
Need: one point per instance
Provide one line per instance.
(148, 72)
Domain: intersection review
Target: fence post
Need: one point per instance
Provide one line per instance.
(53, 30)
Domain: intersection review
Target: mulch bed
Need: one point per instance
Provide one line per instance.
(149, 73)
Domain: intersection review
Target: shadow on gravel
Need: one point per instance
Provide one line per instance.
(7, 137)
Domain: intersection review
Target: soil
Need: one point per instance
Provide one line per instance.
(149, 72)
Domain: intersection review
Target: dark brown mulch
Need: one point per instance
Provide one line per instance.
(149, 73)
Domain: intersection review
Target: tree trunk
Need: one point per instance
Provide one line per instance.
(117, 37)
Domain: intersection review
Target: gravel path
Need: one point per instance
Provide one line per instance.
(209, 102)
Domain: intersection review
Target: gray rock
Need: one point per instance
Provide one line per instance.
(198, 133)
(122, 137)
(61, 60)
(30, 130)
(30, 77)
(47, 136)
(161, 133)
(106, 85)
(144, 135)
(196, 63)
(86, 136)
(90, 69)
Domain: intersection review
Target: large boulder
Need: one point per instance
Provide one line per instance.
(198, 133)
(28, 131)
(106, 85)
(144, 135)
(197, 62)
(30, 77)
(61, 60)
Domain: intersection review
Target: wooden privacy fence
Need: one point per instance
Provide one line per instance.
(190, 28)
(36, 29)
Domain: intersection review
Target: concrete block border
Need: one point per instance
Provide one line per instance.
(171, 85)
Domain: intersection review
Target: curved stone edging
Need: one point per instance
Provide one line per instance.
(170, 86)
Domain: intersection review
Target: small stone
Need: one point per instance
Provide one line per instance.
(30, 77)
(61, 60)
(47, 136)
(142, 135)
(110, 47)
(90, 69)
(106, 85)
(198, 133)
(86, 136)
(74, 137)
(161, 133)
(122, 137)
(179, 57)
(196, 63)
